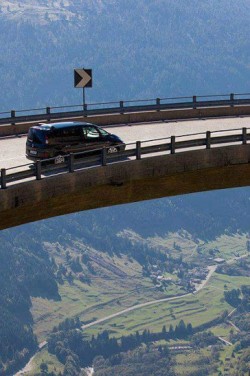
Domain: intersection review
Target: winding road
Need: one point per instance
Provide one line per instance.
(211, 268)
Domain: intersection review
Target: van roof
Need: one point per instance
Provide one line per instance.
(65, 124)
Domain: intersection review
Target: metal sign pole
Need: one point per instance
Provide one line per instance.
(83, 98)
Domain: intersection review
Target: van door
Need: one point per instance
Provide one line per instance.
(92, 138)
(68, 139)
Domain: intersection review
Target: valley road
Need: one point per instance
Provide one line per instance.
(211, 268)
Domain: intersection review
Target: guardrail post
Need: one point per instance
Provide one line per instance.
(208, 140)
(194, 101)
(138, 149)
(13, 114)
(121, 107)
(3, 178)
(85, 108)
(158, 103)
(48, 113)
(71, 162)
(244, 136)
(104, 157)
(38, 170)
(172, 145)
(232, 99)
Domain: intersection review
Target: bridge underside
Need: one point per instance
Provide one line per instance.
(126, 182)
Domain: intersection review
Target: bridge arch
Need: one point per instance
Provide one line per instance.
(126, 182)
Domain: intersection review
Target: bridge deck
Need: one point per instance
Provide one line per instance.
(130, 180)
(12, 150)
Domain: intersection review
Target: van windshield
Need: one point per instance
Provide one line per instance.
(103, 132)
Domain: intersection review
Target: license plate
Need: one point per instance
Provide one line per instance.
(33, 152)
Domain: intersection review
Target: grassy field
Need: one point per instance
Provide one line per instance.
(44, 357)
(222, 330)
(183, 243)
(188, 361)
(110, 292)
(197, 309)
(175, 243)
(206, 305)
(105, 295)
(228, 246)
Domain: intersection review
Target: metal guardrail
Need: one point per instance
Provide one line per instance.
(100, 157)
(121, 107)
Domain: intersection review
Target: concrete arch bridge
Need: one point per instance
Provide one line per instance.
(146, 170)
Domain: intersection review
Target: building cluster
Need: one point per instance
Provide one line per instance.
(158, 278)
(197, 275)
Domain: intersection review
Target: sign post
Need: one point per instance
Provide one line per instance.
(82, 79)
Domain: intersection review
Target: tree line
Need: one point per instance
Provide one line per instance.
(67, 342)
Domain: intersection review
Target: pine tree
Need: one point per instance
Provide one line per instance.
(171, 331)
(164, 332)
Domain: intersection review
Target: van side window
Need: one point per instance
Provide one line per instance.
(90, 133)
(66, 135)
(68, 132)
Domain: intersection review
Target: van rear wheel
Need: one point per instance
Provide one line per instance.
(59, 159)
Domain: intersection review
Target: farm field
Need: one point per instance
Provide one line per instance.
(118, 283)
(196, 309)
(112, 291)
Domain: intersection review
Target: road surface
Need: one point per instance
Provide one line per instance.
(12, 149)
(28, 367)
(227, 343)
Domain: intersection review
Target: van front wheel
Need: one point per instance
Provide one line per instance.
(112, 149)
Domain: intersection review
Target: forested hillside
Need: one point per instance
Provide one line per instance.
(139, 49)
(25, 271)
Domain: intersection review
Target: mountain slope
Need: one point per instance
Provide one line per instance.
(25, 271)
(136, 50)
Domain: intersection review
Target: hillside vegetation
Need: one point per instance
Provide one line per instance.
(25, 271)
(142, 49)
(101, 265)
(94, 262)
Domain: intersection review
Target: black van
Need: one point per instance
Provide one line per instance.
(57, 139)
